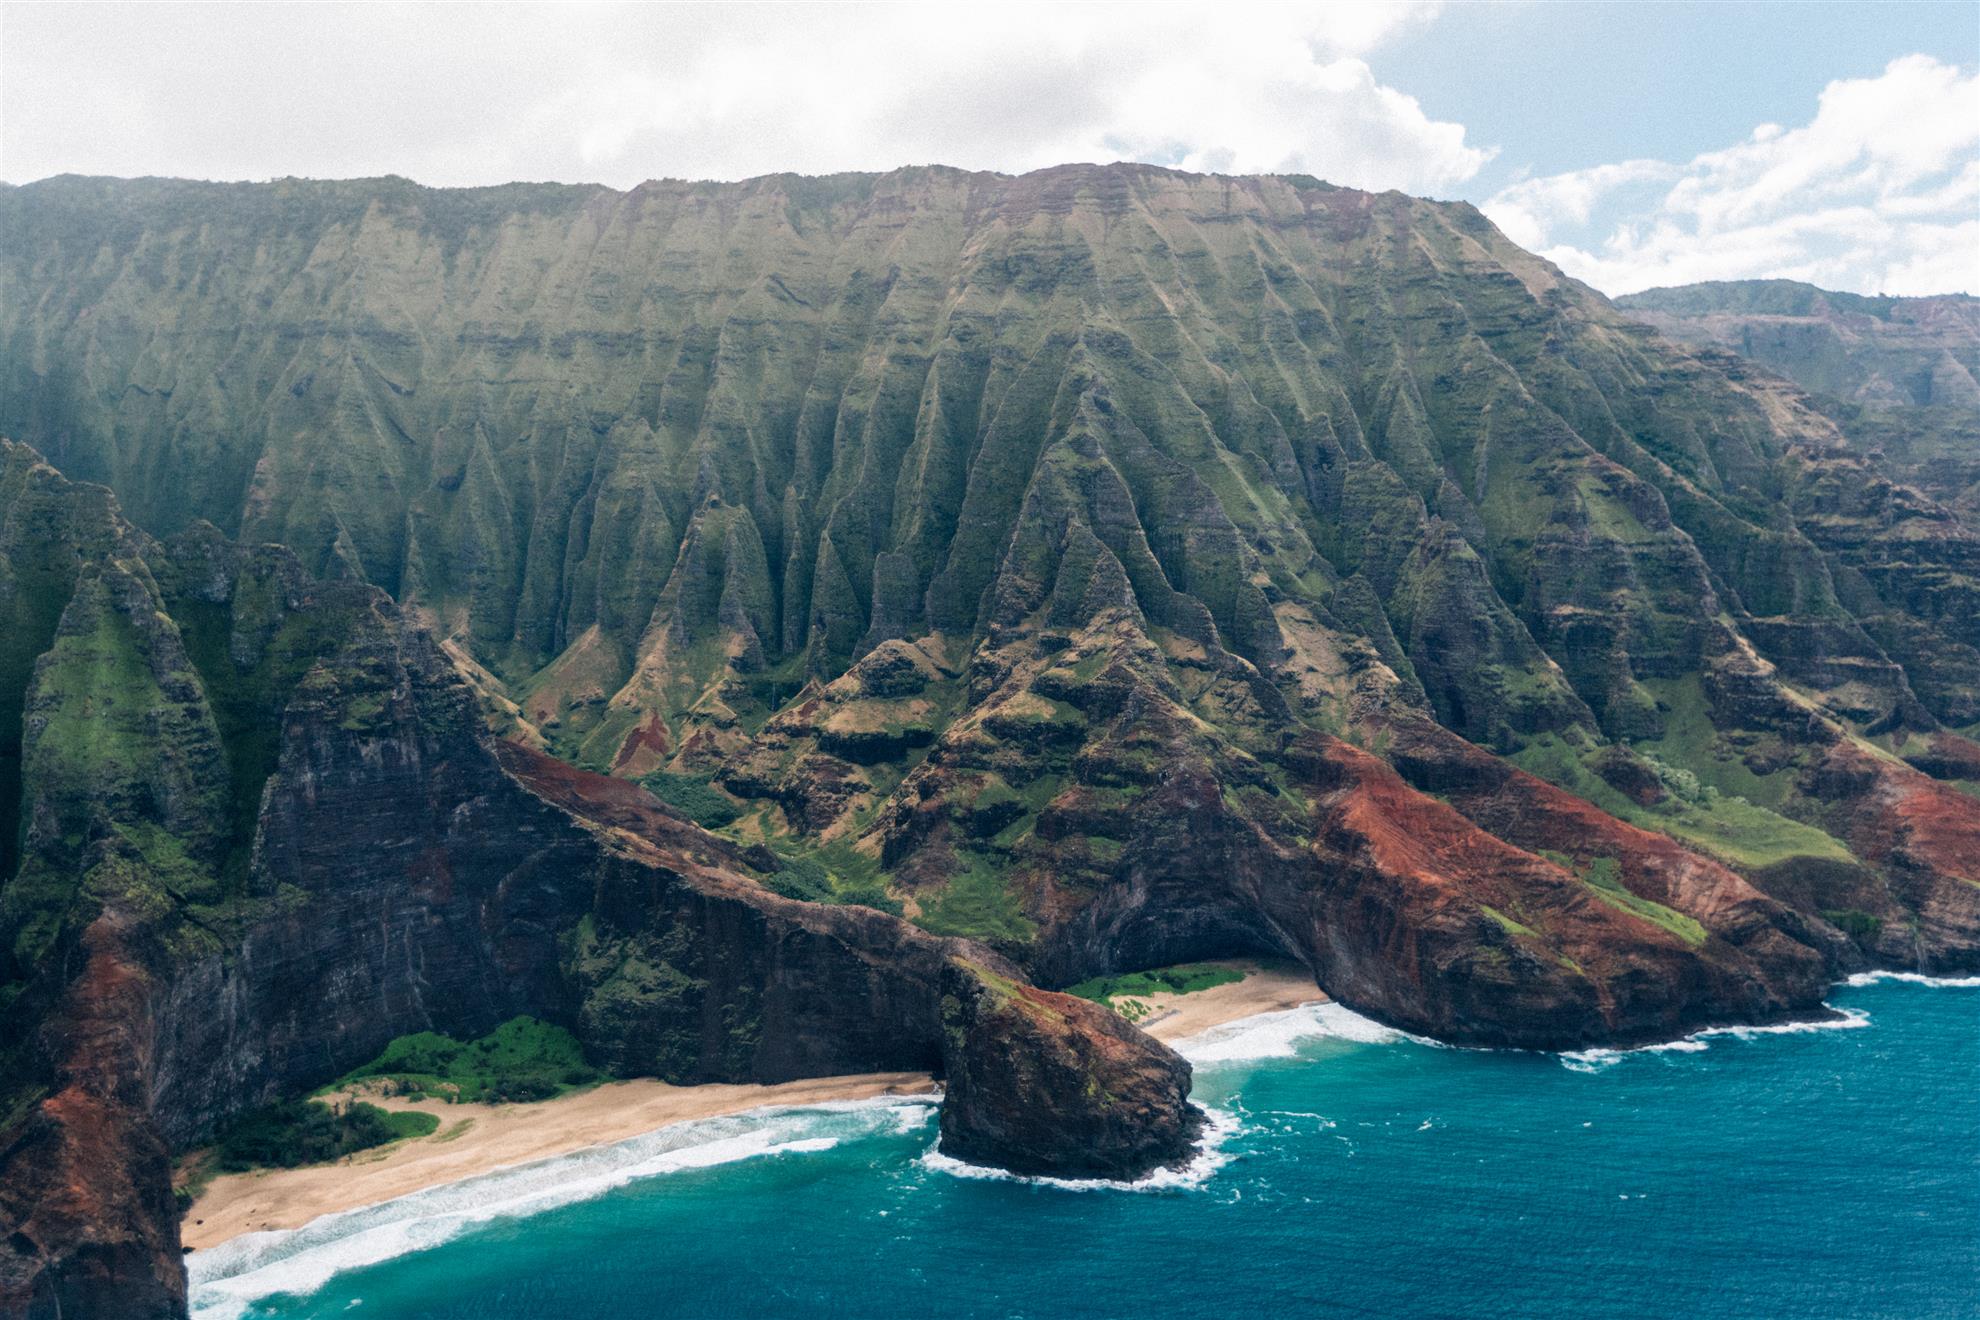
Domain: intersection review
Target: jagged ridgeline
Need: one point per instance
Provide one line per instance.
(264, 832)
(1014, 580)
(1001, 548)
(1899, 375)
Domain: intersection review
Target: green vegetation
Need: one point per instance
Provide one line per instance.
(694, 796)
(1184, 979)
(1603, 876)
(28, 618)
(1691, 746)
(1852, 922)
(1506, 923)
(298, 1132)
(809, 879)
(1072, 526)
(523, 1059)
(1724, 825)
(978, 903)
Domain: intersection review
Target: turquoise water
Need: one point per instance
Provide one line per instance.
(1822, 1173)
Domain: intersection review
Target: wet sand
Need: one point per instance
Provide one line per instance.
(1266, 988)
(477, 1138)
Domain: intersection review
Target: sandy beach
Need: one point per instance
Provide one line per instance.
(1266, 988)
(478, 1138)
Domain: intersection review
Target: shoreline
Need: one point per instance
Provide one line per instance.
(475, 1139)
(1267, 987)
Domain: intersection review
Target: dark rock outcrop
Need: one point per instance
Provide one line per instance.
(1101, 568)
(1043, 1083)
(406, 873)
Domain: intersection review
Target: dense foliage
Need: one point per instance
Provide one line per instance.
(523, 1059)
(1182, 980)
(297, 1132)
(694, 796)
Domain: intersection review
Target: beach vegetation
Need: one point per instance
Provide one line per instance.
(1184, 979)
(293, 1133)
(521, 1060)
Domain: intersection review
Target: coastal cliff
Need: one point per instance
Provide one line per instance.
(789, 627)
(405, 872)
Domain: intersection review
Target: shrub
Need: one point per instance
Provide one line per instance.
(694, 796)
(1182, 980)
(801, 877)
(807, 879)
(298, 1132)
(523, 1059)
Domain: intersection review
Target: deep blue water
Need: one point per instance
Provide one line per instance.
(1823, 1173)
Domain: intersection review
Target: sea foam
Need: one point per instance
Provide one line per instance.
(1279, 1035)
(1218, 1128)
(225, 1280)
(1916, 978)
(1589, 1061)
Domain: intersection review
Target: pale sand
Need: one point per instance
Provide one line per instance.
(497, 1136)
(1268, 987)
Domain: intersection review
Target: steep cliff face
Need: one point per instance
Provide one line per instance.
(657, 457)
(400, 873)
(1900, 375)
(1111, 567)
(1916, 352)
(940, 518)
(1025, 1067)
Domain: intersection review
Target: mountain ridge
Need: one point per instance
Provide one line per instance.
(1113, 566)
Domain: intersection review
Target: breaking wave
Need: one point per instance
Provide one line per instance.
(225, 1280)
(1218, 1128)
(1596, 1060)
(1279, 1035)
(1916, 978)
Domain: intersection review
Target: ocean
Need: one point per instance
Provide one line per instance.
(1808, 1171)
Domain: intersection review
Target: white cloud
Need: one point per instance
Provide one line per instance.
(619, 93)
(1880, 192)
(1530, 210)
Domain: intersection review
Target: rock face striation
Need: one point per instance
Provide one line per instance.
(1882, 351)
(1024, 579)
(213, 911)
(1043, 1083)
(1900, 375)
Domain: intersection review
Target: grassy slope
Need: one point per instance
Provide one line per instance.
(523, 1059)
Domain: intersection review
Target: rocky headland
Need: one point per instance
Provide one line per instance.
(792, 628)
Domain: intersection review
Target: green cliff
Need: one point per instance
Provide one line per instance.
(1101, 569)
(662, 466)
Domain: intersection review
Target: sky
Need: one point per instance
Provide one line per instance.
(1635, 145)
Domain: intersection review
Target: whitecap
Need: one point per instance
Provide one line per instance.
(226, 1279)
(1279, 1035)
(1218, 1127)
(1596, 1060)
(1850, 1018)
(1916, 978)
